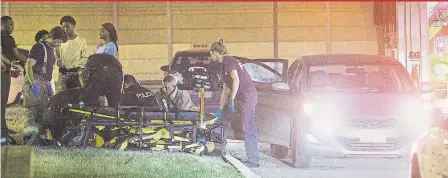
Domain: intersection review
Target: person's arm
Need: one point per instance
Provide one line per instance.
(5, 60)
(224, 96)
(57, 55)
(29, 68)
(185, 101)
(83, 59)
(37, 52)
(111, 49)
(84, 56)
(19, 56)
(235, 84)
(15, 52)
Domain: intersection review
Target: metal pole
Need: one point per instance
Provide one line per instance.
(170, 30)
(328, 41)
(424, 47)
(401, 32)
(6, 9)
(275, 28)
(115, 17)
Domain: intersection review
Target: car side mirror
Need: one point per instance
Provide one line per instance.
(428, 87)
(280, 86)
(164, 68)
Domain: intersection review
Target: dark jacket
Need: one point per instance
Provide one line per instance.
(137, 95)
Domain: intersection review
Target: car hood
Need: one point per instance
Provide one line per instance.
(363, 104)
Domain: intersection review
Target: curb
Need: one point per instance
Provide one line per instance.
(240, 166)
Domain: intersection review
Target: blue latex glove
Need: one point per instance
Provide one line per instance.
(218, 114)
(36, 89)
(231, 106)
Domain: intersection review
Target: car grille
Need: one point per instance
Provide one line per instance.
(371, 123)
(354, 144)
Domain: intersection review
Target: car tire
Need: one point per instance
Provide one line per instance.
(279, 151)
(415, 167)
(298, 159)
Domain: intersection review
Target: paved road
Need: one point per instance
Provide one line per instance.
(324, 168)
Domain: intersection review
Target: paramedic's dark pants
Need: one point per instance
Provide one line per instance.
(69, 80)
(245, 113)
(6, 84)
(104, 84)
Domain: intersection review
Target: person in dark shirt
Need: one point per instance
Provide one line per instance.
(239, 90)
(136, 95)
(10, 57)
(103, 77)
(41, 37)
(37, 88)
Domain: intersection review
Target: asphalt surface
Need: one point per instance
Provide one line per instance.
(324, 167)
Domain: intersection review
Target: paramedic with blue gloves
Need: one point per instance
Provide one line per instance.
(240, 95)
(37, 88)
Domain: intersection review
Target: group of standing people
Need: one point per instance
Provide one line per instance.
(62, 47)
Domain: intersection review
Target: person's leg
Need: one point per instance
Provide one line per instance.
(53, 86)
(81, 77)
(103, 101)
(32, 136)
(91, 94)
(5, 85)
(247, 105)
(112, 91)
(73, 81)
(62, 82)
(36, 108)
(226, 123)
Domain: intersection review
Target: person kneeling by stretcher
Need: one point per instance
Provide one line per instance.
(136, 95)
(176, 99)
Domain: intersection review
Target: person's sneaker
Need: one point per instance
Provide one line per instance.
(251, 165)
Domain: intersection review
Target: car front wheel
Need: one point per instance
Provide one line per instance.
(415, 168)
(299, 160)
(279, 151)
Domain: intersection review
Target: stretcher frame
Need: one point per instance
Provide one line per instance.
(199, 128)
(94, 119)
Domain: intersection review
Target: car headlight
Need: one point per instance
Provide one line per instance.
(309, 109)
(324, 120)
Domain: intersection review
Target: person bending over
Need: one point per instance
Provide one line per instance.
(37, 88)
(136, 95)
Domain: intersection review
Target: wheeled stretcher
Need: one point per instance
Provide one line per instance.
(145, 127)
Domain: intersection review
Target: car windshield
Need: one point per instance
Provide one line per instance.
(367, 77)
(183, 62)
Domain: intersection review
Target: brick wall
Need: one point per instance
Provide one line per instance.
(247, 28)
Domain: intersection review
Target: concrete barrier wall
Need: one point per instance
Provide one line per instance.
(247, 28)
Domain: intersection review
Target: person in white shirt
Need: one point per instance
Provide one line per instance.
(109, 44)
